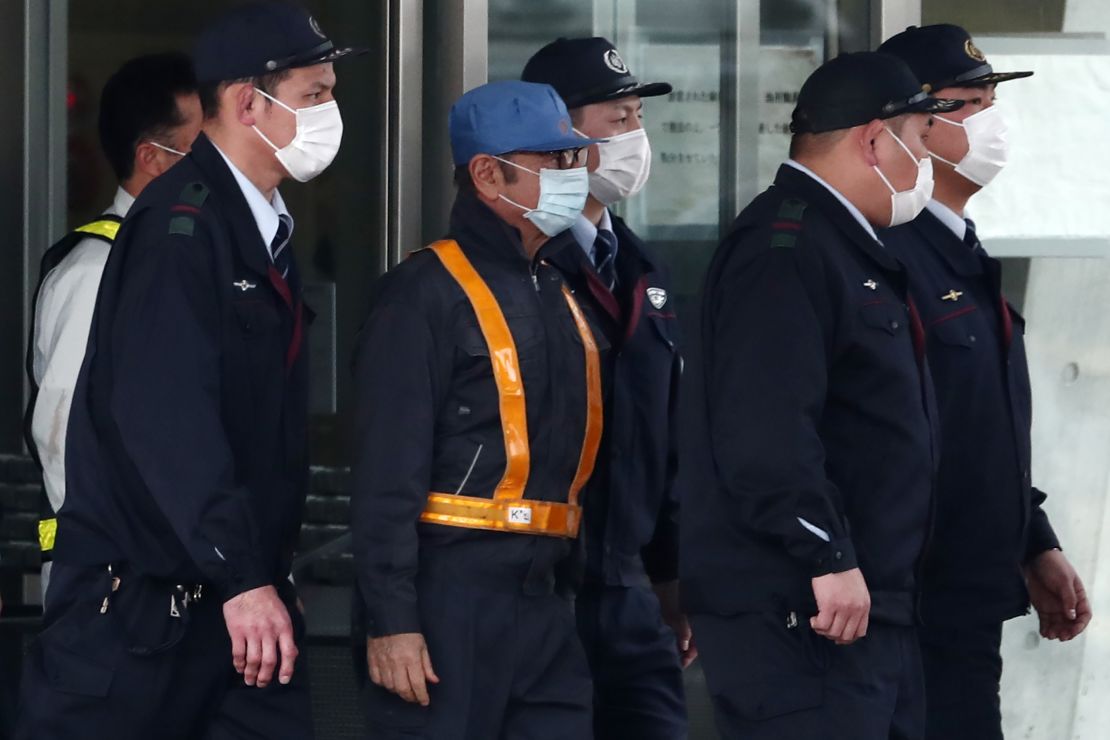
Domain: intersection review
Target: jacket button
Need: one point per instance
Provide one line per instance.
(839, 555)
(971, 338)
(894, 324)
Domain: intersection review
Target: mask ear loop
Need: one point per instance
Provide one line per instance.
(272, 99)
(502, 195)
(514, 164)
(258, 130)
(906, 149)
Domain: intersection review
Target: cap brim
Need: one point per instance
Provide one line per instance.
(645, 90)
(933, 105)
(333, 55)
(995, 77)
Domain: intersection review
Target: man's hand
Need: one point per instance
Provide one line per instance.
(401, 664)
(260, 629)
(667, 594)
(1058, 596)
(843, 606)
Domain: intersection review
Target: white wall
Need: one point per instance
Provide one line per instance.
(1058, 189)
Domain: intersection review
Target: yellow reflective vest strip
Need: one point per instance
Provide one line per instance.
(105, 228)
(508, 510)
(48, 528)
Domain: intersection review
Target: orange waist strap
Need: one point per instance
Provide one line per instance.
(521, 515)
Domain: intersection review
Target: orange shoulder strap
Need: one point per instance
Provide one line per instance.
(506, 367)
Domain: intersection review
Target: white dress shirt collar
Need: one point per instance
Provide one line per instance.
(948, 217)
(267, 214)
(121, 204)
(585, 233)
(856, 214)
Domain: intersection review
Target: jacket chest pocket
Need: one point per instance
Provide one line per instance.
(257, 319)
(527, 335)
(960, 333)
(263, 338)
(890, 318)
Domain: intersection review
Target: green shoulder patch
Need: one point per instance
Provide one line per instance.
(792, 209)
(783, 240)
(182, 225)
(787, 224)
(194, 194)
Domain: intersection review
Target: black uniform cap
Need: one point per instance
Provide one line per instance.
(261, 38)
(585, 71)
(854, 89)
(943, 55)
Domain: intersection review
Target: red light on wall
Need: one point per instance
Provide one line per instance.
(71, 99)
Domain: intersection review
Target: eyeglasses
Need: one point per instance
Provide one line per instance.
(564, 159)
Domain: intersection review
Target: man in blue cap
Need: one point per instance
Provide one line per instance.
(170, 613)
(630, 633)
(993, 549)
(815, 446)
(479, 416)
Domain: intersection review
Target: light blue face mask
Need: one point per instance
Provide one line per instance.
(562, 197)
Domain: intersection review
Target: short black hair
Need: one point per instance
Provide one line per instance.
(210, 91)
(139, 102)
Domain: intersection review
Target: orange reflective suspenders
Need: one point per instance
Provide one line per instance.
(508, 510)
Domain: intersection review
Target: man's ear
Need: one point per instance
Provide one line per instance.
(146, 159)
(868, 139)
(485, 173)
(244, 101)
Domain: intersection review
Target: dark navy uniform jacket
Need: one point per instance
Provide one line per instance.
(186, 457)
(989, 518)
(428, 417)
(816, 445)
(631, 501)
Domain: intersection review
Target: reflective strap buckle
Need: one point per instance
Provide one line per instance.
(48, 530)
(550, 518)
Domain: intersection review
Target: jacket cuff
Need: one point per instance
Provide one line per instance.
(836, 556)
(392, 619)
(246, 576)
(1042, 537)
(660, 556)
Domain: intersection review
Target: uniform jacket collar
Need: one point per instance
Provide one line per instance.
(230, 199)
(481, 231)
(797, 183)
(953, 250)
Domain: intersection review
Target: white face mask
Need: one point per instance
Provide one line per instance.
(624, 166)
(562, 197)
(319, 132)
(905, 206)
(988, 148)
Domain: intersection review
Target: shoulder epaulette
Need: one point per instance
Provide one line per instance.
(787, 224)
(191, 199)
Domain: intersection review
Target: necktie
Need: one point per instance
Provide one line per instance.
(279, 247)
(970, 239)
(605, 252)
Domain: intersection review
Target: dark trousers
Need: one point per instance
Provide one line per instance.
(963, 672)
(638, 691)
(509, 662)
(137, 672)
(771, 681)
